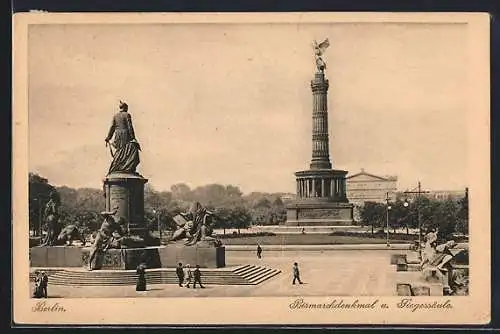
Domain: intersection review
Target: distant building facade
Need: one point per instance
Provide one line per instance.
(366, 187)
(288, 197)
(437, 194)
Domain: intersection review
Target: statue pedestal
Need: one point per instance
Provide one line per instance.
(129, 258)
(319, 212)
(321, 199)
(125, 259)
(204, 256)
(125, 192)
(69, 257)
(55, 256)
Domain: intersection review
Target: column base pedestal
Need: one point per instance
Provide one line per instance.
(319, 214)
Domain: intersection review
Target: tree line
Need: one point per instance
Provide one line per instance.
(449, 216)
(235, 210)
(232, 209)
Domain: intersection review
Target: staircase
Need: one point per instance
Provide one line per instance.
(242, 275)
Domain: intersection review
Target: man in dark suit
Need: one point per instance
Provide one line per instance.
(296, 273)
(197, 277)
(259, 251)
(44, 281)
(180, 274)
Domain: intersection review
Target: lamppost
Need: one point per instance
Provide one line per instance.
(157, 213)
(406, 204)
(419, 192)
(387, 217)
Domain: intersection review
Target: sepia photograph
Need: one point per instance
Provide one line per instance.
(335, 166)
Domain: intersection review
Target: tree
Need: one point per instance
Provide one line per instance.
(446, 218)
(69, 196)
(152, 199)
(278, 202)
(399, 216)
(222, 218)
(39, 190)
(163, 204)
(81, 207)
(373, 214)
(87, 221)
(89, 199)
(261, 212)
(181, 191)
(215, 195)
(239, 218)
(463, 214)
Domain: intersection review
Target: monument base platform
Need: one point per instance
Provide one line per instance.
(55, 256)
(319, 213)
(128, 258)
(307, 229)
(206, 257)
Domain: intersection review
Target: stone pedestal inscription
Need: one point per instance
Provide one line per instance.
(124, 259)
(320, 213)
(118, 198)
(125, 193)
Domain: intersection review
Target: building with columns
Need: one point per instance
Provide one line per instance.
(366, 187)
(321, 191)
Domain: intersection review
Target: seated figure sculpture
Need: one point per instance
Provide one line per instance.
(436, 262)
(429, 249)
(108, 236)
(69, 234)
(195, 226)
(438, 256)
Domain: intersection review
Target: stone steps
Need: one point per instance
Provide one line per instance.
(243, 275)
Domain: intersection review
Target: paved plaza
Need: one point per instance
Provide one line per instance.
(334, 272)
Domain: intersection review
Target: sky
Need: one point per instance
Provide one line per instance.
(232, 103)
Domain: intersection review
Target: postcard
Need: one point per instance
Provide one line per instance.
(251, 169)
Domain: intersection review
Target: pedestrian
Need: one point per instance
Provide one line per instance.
(44, 281)
(189, 275)
(180, 274)
(37, 292)
(141, 278)
(296, 273)
(259, 251)
(197, 277)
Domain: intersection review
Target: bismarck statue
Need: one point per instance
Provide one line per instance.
(124, 186)
(126, 155)
(123, 240)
